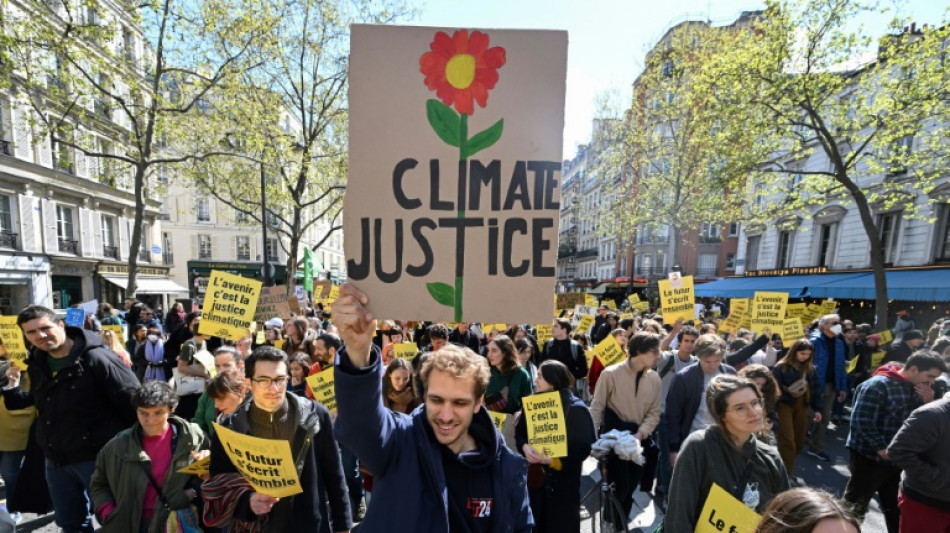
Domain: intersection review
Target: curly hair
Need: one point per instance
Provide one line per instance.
(460, 363)
(155, 394)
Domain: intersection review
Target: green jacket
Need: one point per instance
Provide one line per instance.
(205, 414)
(120, 478)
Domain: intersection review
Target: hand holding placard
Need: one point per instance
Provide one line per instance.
(547, 427)
(266, 464)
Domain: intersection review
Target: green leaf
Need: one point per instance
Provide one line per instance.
(442, 292)
(444, 121)
(484, 139)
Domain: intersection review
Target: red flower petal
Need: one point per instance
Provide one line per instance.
(480, 93)
(486, 77)
(443, 45)
(463, 101)
(494, 57)
(443, 48)
(477, 44)
(460, 41)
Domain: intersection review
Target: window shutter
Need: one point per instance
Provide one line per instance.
(21, 134)
(194, 247)
(124, 238)
(44, 147)
(96, 234)
(85, 232)
(50, 237)
(234, 247)
(30, 227)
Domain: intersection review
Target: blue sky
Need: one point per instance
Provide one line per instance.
(609, 38)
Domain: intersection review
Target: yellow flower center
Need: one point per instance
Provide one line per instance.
(460, 71)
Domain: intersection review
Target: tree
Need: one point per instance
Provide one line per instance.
(82, 67)
(832, 121)
(290, 115)
(662, 162)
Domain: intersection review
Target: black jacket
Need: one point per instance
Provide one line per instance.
(314, 437)
(567, 351)
(84, 405)
(468, 339)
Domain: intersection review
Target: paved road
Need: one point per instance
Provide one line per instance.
(831, 476)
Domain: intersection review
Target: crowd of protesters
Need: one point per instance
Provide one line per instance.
(100, 424)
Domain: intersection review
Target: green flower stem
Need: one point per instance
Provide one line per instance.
(463, 150)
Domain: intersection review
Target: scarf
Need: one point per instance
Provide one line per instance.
(221, 494)
(155, 357)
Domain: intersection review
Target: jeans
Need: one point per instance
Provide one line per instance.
(828, 397)
(664, 471)
(10, 463)
(869, 477)
(69, 490)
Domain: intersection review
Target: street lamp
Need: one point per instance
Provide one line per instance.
(267, 275)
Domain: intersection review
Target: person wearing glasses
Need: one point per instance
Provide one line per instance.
(727, 454)
(272, 412)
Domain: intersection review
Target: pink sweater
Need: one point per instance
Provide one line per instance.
(159, 450)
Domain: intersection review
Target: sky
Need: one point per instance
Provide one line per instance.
(608, 39)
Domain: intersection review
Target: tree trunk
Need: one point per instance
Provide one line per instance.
(877, 254)
(135, 242)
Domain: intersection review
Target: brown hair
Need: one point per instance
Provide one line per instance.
(800, 510)
(718, 392)
(509, 361)
(228, 382)
(799, 346)
(460, 363)
(770, 391)
(709, 344)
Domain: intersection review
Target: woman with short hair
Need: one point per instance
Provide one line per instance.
(726, 454)
(136, 476)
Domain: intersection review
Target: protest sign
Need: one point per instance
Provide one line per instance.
(828, 307)
(206, 360)
(677, 303)
(569, 300)
(768, 312)
(294, 304)
(75, 317)
(642, 306)
(722, 512)
(12, 337)
(584, 324)
(334, 293)
(734, 321)
(547, 427)
(498, 419)
(115, 328)
(323, 389)
(633, 298)
(589, 354)
(876, 359)
(886, 336)
(405, 350)
(198, 468)
(229, 306)
(609, 351)
(590, 300)
(90, 307)
(444, 197)
(812, 311)
(609, 303)
(852, 364)
(544, 332)
(624, 316)
(266, 464)
(791, 330)
(272, 303)
(794, 310)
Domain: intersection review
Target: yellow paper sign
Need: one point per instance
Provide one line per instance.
(828, 307)
(768, 311)
(677, 303)
(115, 328)
(723, 512)
(609, 303)
(812, 312)
(266, 464)
(544, 333)
(633, 298)
(590, 300)
(609, 351)
(585, 323)
(405, 350)
(625, 316)
(886, 336)
(334, 293)
(260, 338)
(876, 359)
(230, 305)
(794, 310)
(547, 427)
(207, 360)
(792, 330)
(198, 468)
(589, 354)
(852, 364)
(642, 306)
(498, 419)
(12, 337)
(321, 384)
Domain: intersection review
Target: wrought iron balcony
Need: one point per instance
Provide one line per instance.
(168, 258)
(110, 251)
(7, 239)
(590, 252)
(144, 256)
(69, 246)
(5, 148)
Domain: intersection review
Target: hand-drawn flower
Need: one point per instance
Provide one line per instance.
(462, 69)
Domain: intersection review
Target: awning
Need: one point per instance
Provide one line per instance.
(602, 288)
(913, 285)
(148, 285)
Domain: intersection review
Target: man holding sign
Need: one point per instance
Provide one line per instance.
(274, 413)
(447, 457)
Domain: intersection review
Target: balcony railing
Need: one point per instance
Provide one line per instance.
(566, 250)
(590, 252)
(144, 256)
(110, 251)
(707, 272)
(652, 271)
(5, 148)
(68, 246)
(168, 258)
(7, 239)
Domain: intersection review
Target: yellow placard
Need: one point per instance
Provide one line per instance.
(609, 303)
(677, 303)
(812, 311)
(260, 338)
(405, 350)
(828, 307)
(609, 351)
(792, 330)
(115, 328)
(207, 360)
(768, 311)
(498, 419)
(266, 464)
(876, 359)
(544, 333)
(724, 513)
(634, 298)
(322, 387)
(334, 293)
(12, 337)
(589, 354)
(732, 323)
(585, 323)
(590, 300)
(625, 316)
(547, 426)
(198, 468)
(230, 305)
(794, 310)
(852, 364)
(886, 336)
(642, 306)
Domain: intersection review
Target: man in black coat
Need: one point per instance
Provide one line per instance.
(83, 396)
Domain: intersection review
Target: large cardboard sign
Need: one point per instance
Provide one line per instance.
(228, 310)
(677, 303)
(455, 170)
(12, 337)
(723, 512)
(768, 312)
(272, 303)
(265, 463)
(547, 427)
(569, 299)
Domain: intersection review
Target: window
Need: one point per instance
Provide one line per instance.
(887, 230)
(734, 229)
(897, 157)
(752, 252)
(243, 248)
(943, 242)
(827, 235)
(204, 210)
(240, 217)
(204, 247)
(709, 233)
(784, 249)
(108, 231)
(730, 261)
(64, 222)
(6, 215)
(272, 220)
(272, 249)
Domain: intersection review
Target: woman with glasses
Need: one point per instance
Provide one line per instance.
(726, 454)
